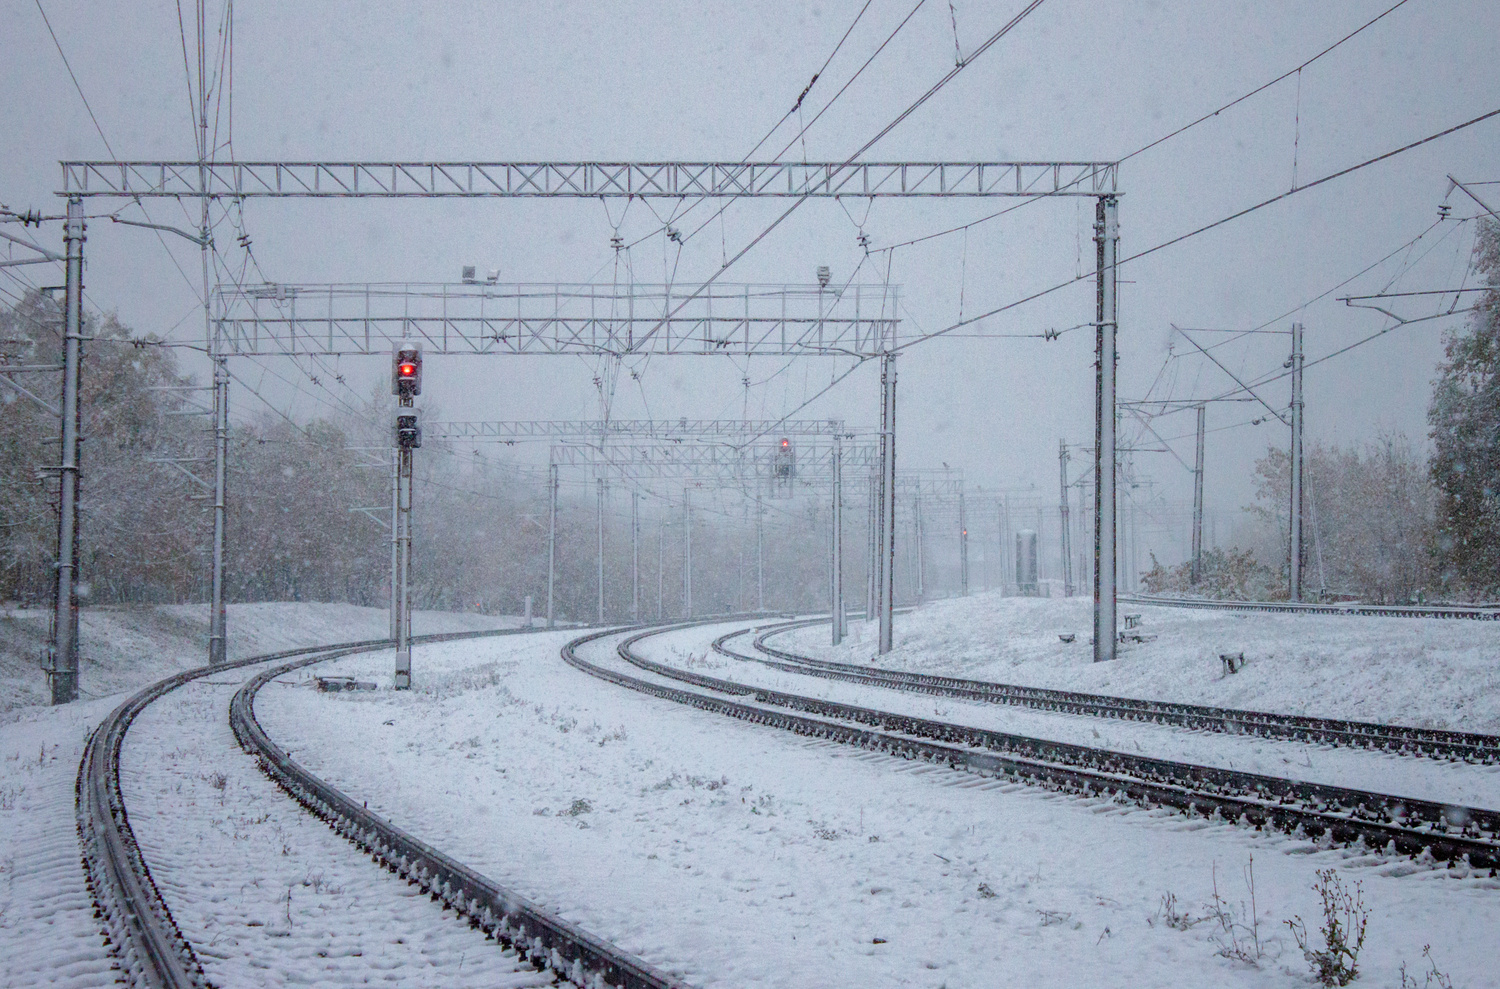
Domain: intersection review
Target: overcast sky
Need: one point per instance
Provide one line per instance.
(1076, 80)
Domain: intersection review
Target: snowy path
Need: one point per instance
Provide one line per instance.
(267, 894)
(740, 855)
(1380, 772)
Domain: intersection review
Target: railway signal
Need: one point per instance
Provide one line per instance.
(406, 372)
(408, 433)
(406, 384)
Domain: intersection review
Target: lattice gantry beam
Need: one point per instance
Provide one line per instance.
(669, 180)
(628, 430)
(489, 318)
(761, 460)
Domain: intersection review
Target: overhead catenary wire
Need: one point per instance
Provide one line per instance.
(1171, 242)
(799, 200)
(1295, 70)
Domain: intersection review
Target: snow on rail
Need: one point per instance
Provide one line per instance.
(143, 936)
(1483, 613)
(1406, 826)
(1404, 739)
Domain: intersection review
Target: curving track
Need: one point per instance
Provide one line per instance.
(1457, 835)
(1471, 612)
(139, 926)
(1435, 743)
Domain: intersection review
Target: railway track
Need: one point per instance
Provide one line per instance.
(1456, 835)
(1434, 743)
(1472, 613)
(139, 927)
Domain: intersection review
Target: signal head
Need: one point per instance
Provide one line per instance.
(406, 371)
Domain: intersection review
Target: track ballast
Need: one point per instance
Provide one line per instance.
(1380, 821)
(140, 929)
(1435, 743)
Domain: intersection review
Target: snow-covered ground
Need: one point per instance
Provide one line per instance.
(267, 894)
(740, 855)
(124, 648)
(1429, 672)
(1426, 779)
(48, 935)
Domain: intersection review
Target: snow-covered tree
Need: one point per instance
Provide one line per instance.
(1367, 518)
(1464, 419)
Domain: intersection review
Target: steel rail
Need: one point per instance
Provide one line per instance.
(149, 948)
(138, 926)
(1434, 743)
(1381, 821)
(546, 940)
(1473, 613)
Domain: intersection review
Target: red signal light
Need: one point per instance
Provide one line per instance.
(407, 370)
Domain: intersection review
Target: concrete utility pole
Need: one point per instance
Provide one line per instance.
(635, 556)
(599, 549)
(1107, 245)
(687, 552)
(62, 651)
(887, 499)
(1062, 507)
(963, 548)
(551, 543)
(1294, 549)
(1197, 571)
(661, 558)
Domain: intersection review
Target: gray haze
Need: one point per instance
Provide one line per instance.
(696, 81)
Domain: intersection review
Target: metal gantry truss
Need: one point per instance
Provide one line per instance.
(758, 466)
(750, 330)
(562, 318)
(739, 453)
(698, 430)
(583, 179)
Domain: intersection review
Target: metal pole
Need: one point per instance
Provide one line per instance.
(963, 547)
(1062, 507)
(661, 558)
(887, 499)
(1041, 544)
(402, 679)
(62, 651)
(1197, 571)
(395, 540)
(219, 622)
(599, 549)
(760, 554)
(870, 528)
(687, 553)
(1007, 551)
(836, 545)
(635, 556)
(1107, 244)
(916, 512)
(1294, 549)
(551, 542)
